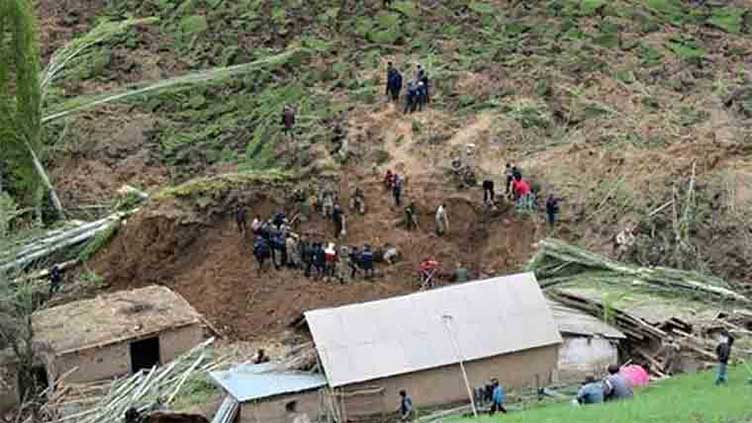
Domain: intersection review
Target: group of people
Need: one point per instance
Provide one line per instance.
(522, 192)
(274, 240)
(418, 89)
(393, 183)
(614, 387)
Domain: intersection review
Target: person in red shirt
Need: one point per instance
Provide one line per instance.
(389, 179)
(427, 270)
(522, 193)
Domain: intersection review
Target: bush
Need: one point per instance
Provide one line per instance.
(98, 242)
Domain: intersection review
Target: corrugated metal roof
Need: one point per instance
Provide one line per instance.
(405, 334)
(253, 382)
(575, 322)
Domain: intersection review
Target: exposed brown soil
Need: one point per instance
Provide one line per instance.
(201, 255)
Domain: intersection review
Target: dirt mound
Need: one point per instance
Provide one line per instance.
(201, 255)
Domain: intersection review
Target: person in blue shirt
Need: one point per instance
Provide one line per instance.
(591, 391)
(497, 398)
(406, 410)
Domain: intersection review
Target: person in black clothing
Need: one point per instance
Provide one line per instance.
(306, 256)
(412, 97)
(516, 173)
(423, 79)
(552, 209)
(261, 251)
(56, 279)
(261, 357)
(488, 191)
(319, 259)
(723, 351)
(397, 190)
(132, 416)
(288, 119)
(279, 219)
(240, 219)
(354, 261)
(366, 261)
(393, 82)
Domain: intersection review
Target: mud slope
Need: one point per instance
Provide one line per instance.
(211, 265)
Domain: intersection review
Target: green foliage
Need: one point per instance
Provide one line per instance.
(684, 398)
(101, 240)
(194, 24)
(198, 390)
(588, 7)
(407, 8)
(91, 279)
(20, 94)
(482, 8)
(689, 116)
(650, 56)
(530, 114)
(728, 19)
(222, 183)
(8, 211)
(625, 76)
(671, 11)
(686, 48)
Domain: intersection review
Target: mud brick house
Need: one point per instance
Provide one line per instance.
(115, 334)
(263, 392)
(589, 346)
(499, 328)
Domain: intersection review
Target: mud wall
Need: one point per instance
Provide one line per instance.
(273, 410)
(114, 360)
(581, 355)
(445, 385)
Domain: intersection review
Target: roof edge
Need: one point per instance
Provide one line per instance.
(419, 293)
(224, 387)
(124, 338)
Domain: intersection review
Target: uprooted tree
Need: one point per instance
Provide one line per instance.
(25, 107)
(21, 100)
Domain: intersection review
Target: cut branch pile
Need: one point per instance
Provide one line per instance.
(558, 263)
(144, 390)
(660, 345)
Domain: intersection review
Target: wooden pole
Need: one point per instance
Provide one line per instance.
(446, 319)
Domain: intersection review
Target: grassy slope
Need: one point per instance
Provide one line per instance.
(630, 94)
(691, 398)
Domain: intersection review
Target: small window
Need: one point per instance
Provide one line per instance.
(145, 354)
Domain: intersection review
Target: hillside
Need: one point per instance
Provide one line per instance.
(636, 112)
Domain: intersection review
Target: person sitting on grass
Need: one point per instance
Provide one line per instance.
(591, 391)
(616, 386)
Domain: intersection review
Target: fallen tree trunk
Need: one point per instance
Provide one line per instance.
(559, 263)
(57, 241)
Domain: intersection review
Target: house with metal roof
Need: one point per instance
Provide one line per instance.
(589, 346)
(436, 344)
(264, 392)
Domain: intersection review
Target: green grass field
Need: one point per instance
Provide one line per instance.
(691, 398)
